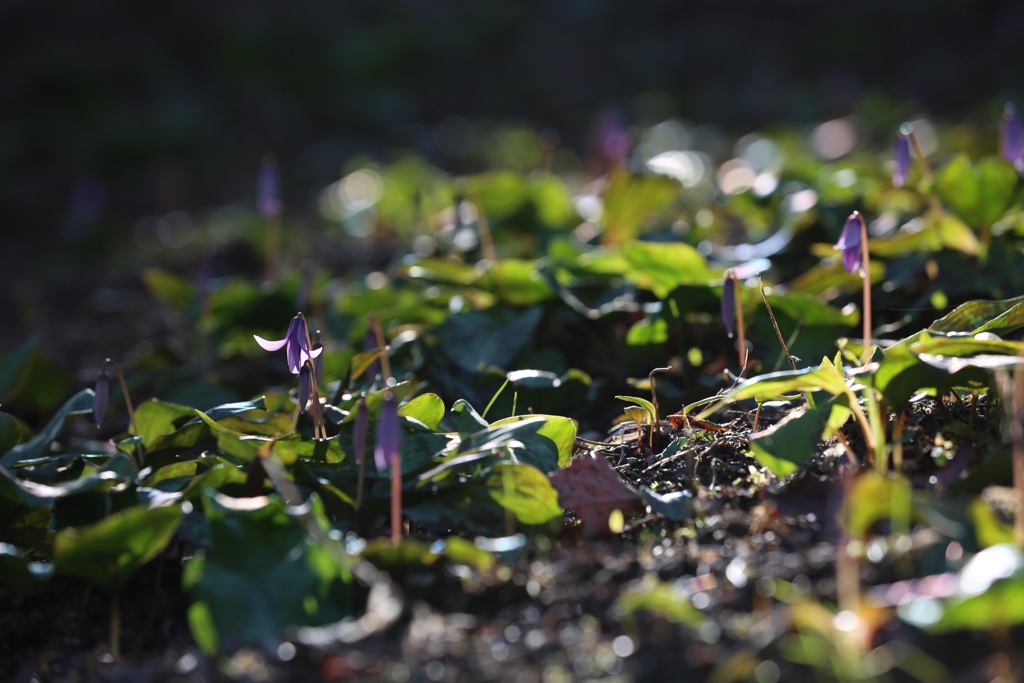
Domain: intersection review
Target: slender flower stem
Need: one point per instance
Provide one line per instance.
(127, 402)
(319, 428)
(922, 160)
(740, 328)
(378, 331)
(396, 501)
(865, 265)
(775, 324)
(1016, 411)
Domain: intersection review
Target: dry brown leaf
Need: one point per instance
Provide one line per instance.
(592, 489)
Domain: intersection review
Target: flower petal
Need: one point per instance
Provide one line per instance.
(270, 345)
(388, 434)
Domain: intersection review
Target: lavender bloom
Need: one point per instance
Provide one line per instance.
(1011, 140)
(849, 242)
(362, 425)
(102, 393)
(901, 156)
(305, 385)
(267, 195)
(388, 435)
(296, 343)
(729, 301)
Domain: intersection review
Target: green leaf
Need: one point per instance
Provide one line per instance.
(560, 430)
(477, 339)
(18, 573)
(119, 469)
(662, 266)
(426, 408)
(1000, 317)
(76, 405)
(652, 412)
(979, 194)
(263, 574)
(15, 366)
(168, 288)
(525, 491)
(12, 432)
(631, 203)
(107, 553)
(668, 601)
(794, 440)
(515, 281)
(157, 418)
(874, 497)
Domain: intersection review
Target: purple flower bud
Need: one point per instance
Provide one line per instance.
(1011, 140)
(362, 425)
(295, 342)
(388, 435)
(101, 394)
(729, 301)
(849, 242)
(305, 385)
(267, 197)
(901, 156)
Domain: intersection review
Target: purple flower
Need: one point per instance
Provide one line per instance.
(729, 301)
(362, 425)
(849, 242)
(102, 393)
(1011, 140)
(305, 386)
(267, 197)
(296, 341)
(901, 156)
(388, 435)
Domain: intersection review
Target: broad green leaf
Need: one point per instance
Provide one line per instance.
(477, 339)
(988, 528)
(109, 552)
(980, 316)
(12, 432)
(78, 404)
(979, 194)
(515, 281)
(168, 288)
(790, 443)
(525, 491)
(669, 601)
(34, 495)
(875, 497)
(989, 596)
(561, 430)
(157, 418)
(15, 366)
(263, 574)
(18, 573)
(776, 384)
(661, 267)
(902, 374)
(426, 408)
(631, 203)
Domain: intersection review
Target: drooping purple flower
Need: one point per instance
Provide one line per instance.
(267, 190)
(901, 156)
(362, 426)
(295, 342)
(729, 301)
(101, 394)
(849, 242)
(388, 435)
(305, 385)
(1011, 139)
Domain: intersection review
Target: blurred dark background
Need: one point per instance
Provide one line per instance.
(112, 109)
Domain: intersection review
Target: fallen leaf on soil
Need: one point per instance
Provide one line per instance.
(592, 489)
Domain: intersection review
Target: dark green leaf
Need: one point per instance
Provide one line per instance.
(76, 405)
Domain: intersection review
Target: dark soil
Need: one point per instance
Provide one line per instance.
(550, 613)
